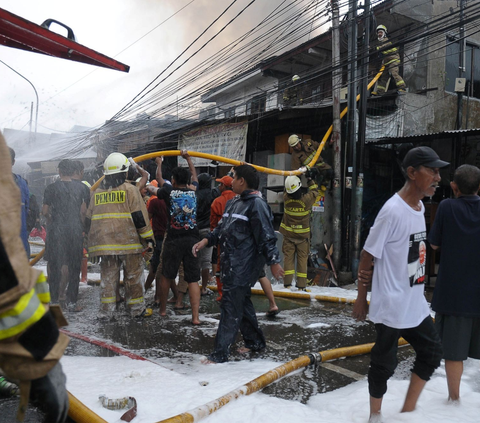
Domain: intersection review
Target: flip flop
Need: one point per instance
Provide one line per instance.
(272, 313)
(183, 307)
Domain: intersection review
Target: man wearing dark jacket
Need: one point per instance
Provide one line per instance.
(248, 241)
(204, 202)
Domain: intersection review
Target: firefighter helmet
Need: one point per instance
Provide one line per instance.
(292, 184)
(293, 140)
(115, 163)
(382, 28)
(295, 78)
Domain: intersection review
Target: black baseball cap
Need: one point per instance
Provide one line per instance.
(423, 156)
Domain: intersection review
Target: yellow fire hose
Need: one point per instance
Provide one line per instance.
(260, 382)
(80, 413)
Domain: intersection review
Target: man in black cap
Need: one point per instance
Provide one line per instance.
(397, 242)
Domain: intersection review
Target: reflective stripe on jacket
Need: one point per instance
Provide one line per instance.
(296, 217)
(112, 229)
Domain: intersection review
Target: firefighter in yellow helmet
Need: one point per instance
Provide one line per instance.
(295, 228)
(391, 61)
(30, 342)
(118, 232)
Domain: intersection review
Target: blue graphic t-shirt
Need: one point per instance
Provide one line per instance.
(182, 209)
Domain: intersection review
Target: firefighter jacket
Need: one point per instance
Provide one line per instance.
(30, 343)
(296, 217)
(247, 239)
(118, 222)
(306, 154)
(387, 53)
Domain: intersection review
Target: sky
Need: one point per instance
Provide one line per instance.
(72, 93)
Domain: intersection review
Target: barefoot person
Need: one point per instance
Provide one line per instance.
(247, 241)
(398, 306)
(456, 300)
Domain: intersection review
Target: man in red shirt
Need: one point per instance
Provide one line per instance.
(217, 209)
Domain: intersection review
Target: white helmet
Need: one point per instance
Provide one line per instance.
(115, 163)
(295, 78)
(292, 184)
(293, 140)
(382, 28)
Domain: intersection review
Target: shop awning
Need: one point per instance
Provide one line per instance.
(19, 33)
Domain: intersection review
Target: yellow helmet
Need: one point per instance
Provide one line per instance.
(293, 140)
(115, 163)
(292, 184)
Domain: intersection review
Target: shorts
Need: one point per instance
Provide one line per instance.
(155, 261)
(205, 255)
(460, 336)
(176, 250)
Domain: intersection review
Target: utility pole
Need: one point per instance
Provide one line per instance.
(30, 123)
(336, 139)
(461, 65)
(362, 124)
(351, 182)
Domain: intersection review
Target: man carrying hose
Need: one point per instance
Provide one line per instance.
(398, 306)
(30, 342)
(303, 151)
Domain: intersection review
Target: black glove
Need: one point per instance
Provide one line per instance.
(49, 393)
(311, 173)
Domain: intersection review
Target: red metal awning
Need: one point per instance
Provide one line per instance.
(19, 33)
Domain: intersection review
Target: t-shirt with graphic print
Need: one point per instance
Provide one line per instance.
(182, 210)
(397, 241)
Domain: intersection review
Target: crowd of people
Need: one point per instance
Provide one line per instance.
(128, 223)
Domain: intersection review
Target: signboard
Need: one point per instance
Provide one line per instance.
(319, 205)
(226, 140)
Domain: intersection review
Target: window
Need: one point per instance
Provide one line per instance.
(472, 67)
(230, 112)
(256, 105)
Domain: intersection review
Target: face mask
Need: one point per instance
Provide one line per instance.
(381, 35)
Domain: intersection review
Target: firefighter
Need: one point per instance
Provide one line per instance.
(295, 228)
(303, 152)
(292, 95)
(30, 342)
(391, 61)
(118, 232)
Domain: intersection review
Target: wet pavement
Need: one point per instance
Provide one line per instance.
(301, 327)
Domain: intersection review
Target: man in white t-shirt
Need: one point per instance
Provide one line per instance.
(398, 306)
